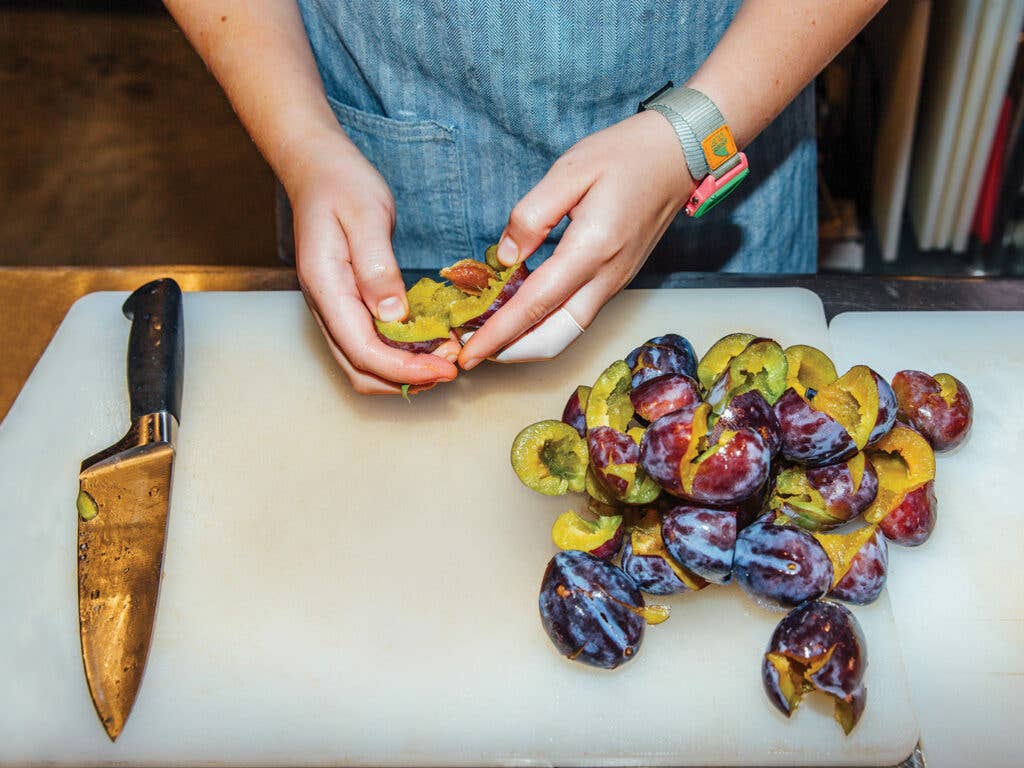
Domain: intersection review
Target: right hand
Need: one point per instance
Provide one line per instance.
(344, 215)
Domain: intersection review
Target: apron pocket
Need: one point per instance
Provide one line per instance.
(419, 159)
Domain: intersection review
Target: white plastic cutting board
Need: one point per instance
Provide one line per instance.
(354, 580)
(958, 598)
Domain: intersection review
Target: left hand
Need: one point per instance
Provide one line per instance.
(620, 187)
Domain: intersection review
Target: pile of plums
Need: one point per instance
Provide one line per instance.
(755, 464)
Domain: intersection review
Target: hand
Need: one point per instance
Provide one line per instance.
(344, 215)
(621, 187)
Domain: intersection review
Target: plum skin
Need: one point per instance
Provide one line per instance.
(865, 579)
(587, 608)
(913, 520)
(751, 411)
(508, 290)
(651, 573)
(664, 394)
(809, 436)
(669, 353)
(575, 414)
(608, 447)
(780, 565)
(701, 539)
(808, 633)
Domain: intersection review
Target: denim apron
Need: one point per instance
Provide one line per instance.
(463, 105)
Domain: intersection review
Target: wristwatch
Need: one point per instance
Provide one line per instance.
(708, 146)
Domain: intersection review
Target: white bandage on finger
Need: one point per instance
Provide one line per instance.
(542, 342)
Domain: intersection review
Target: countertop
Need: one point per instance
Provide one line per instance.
(33, 301)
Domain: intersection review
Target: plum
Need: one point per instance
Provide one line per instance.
(646, 560)
(471, 312)
(614, 456)
(760, 366)
(551, 458)
(905, 464)
(860, 563)
(591, 610)
(608, 404)
(668, 354)
(716, 360)
(809, 370)
(678, 455)
(663, 394)
(912, 521)
(887, 410)
(939, 407)
(750, 411)
(832, 425)
(600, 537)
(701, 539)
(427, 326)
(820, 498)
(780, 564)
(818, 646)
(574, 413)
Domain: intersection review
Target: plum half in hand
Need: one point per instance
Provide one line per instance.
(860, 563)
(939, 407)
(905, 508)
(668, 354)
(550, 457)
(600, 536)
(427, 327)
(732, 367)
(592, 611)
(832, 425)
(680, 455)
(779, 564)
(818, 646)
(646, 560)
(820, 498)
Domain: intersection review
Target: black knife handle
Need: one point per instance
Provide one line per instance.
(156, 348)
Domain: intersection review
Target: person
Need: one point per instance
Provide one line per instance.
(426, 130)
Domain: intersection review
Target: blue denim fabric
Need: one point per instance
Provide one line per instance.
(463, 105)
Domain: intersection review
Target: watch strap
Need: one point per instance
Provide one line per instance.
(707, 143)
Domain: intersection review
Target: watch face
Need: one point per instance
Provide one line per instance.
(718, 147)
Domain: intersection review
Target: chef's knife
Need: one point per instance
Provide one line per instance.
(123, 498)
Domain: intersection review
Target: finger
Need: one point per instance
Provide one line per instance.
(362, 383)
(327, 278)
(542, 208)
(572, 264)
(377, 276)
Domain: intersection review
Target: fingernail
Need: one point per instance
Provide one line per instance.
(451, 357)
(390, 309)
(472, 363)
(508, 251)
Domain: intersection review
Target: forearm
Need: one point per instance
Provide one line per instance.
(771, 51)
(260, 55)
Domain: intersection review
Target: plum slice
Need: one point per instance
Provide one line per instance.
(678, 454)
(592, 611)
(646, 560)
(939, 407)
(905, 507)
(667, 354)
(551, 458)
(574, 413)
(600, 537)
(663, 394)
(860, 563)
(818, 646)
(808, 369)
(820, 498)
(427, 326)
(780, 565)
(608, 404)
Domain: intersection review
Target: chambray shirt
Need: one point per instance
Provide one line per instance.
(463, 105)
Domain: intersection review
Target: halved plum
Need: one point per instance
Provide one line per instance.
(615, 475)
(818, 646)
(677, 453)
(471, 312)
(887, 410)
(600, 536)
(427, 327)
(718, 357)
(646, 560)
(833, 425)
(668, 354)
(820, 498)
(760, 366)
(608, 404)
(939, 407)
(551, 458)
(666, 393)
(779, 564)
(860, 563)
(905, 507)
(701, 539)
(750, 411)
(809, 370)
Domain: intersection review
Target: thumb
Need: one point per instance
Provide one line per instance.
(377, 276)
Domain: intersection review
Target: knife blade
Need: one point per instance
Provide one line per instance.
(123, 503)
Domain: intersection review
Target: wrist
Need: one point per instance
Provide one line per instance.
(300, 156)
(658, 137)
